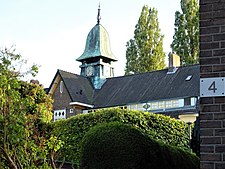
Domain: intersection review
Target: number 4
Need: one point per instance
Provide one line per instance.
(213, 87)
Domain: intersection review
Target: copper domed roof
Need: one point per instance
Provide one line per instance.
(97, 44)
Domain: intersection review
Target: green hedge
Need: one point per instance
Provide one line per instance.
(163, 128)
(116, 145)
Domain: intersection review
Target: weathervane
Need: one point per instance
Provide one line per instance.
(98, 17)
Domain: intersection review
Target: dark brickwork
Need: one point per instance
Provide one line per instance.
(212, 64)
(62, 101)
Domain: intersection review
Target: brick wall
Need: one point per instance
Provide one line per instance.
(212, 64)
(62, 101)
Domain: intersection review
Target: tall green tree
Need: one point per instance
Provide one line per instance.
(25, 111)
(186, 37)
(145, 51)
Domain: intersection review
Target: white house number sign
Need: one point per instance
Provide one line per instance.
(210, 87)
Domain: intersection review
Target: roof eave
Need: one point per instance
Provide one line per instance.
(81, 104)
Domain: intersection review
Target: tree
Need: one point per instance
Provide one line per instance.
(145, 51)
(25, 111)
(186, 37)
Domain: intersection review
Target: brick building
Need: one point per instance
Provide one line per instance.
(212, 65)
(172, 91)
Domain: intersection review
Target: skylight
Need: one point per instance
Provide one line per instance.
(188, 78)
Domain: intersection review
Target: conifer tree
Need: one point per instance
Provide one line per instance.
(186, 37)
(145, 51)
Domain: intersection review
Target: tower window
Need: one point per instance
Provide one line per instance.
(102, 67)
(112, 72)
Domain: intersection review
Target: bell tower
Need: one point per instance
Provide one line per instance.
(97, 59)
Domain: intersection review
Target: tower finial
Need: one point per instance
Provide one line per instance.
(98, 17)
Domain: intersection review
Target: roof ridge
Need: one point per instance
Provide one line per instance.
(60, 70)
(66, 71)
(150, 72)
(197, 64)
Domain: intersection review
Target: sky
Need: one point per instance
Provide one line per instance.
(52, 33)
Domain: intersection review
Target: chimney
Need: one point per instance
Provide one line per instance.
(174, 63)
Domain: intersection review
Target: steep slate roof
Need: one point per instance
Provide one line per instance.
(140, 88)
(137, 88)
(80, 88)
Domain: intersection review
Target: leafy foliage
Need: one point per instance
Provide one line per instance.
(25, 111)
(71, 131)
(186, 37)
(145, 52)
(116, 145)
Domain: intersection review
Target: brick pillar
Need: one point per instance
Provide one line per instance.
(212, 64)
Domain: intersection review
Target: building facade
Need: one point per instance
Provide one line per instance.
(212, 65)
(172, 91)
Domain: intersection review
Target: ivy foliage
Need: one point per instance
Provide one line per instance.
(117, 145)
(71, 131)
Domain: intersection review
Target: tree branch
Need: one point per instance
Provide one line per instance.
(11, 163)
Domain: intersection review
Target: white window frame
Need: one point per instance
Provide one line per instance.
(59, 114)
(71, 110)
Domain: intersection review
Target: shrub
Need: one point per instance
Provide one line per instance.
(119, 146)
(163, 128)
